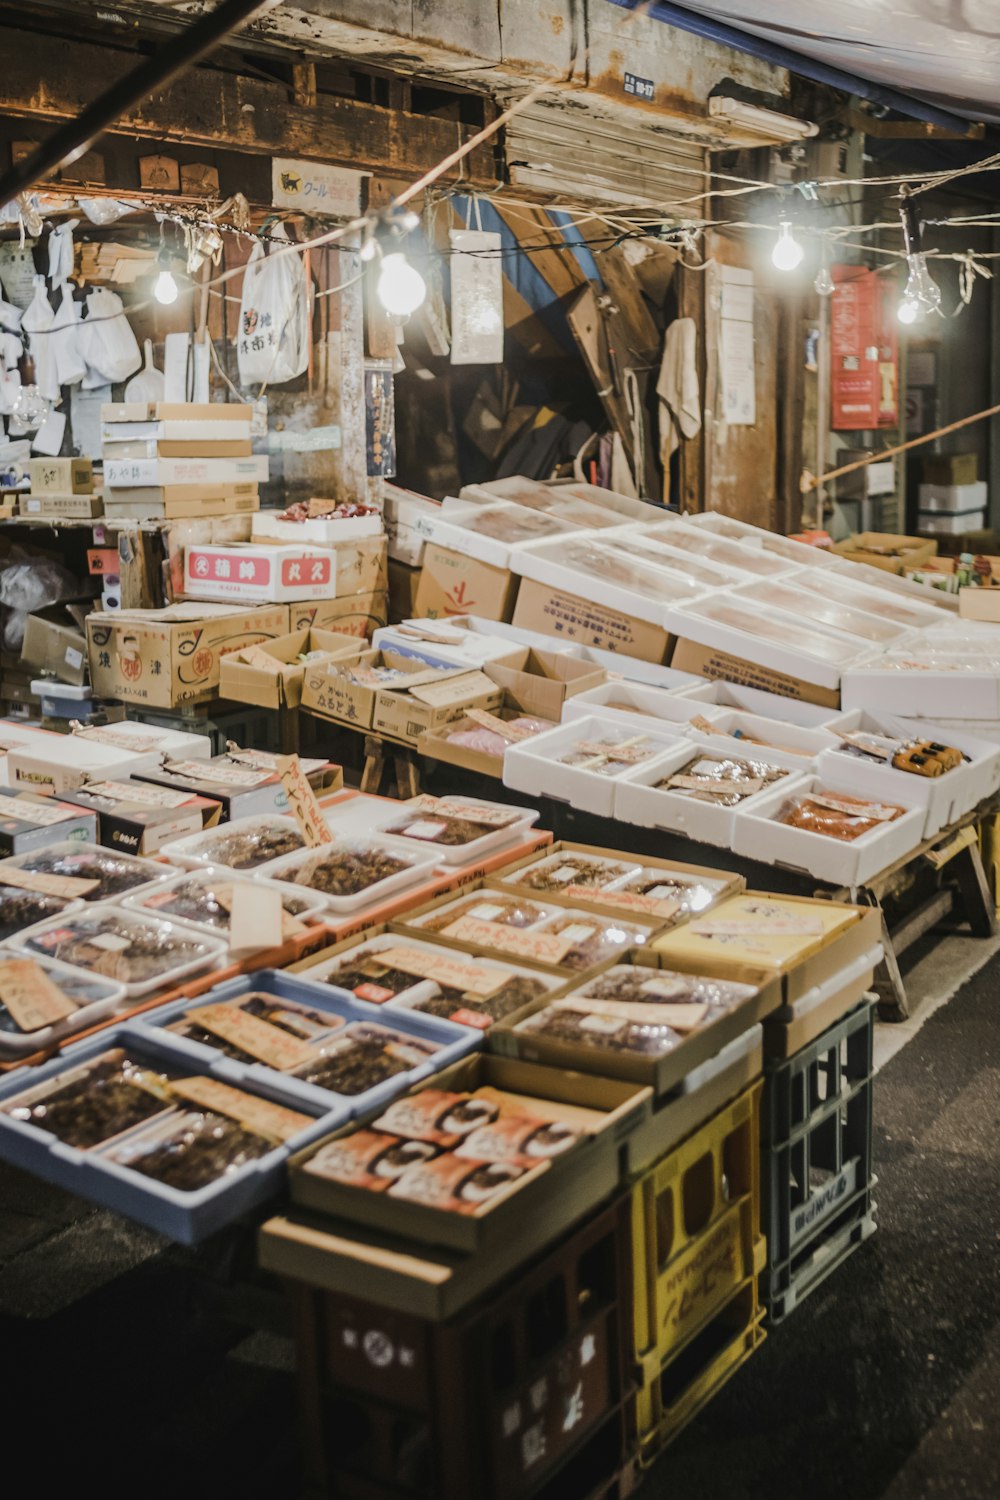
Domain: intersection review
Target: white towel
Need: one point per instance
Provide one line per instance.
(677, 387)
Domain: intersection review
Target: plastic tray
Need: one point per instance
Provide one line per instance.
(452, 1041)
(149, 870)
(361, 817)
(638, 800)
(787, 745)
(535, 765)
(204, 848)
(32, 940)
(107, 998)
(417, 865)
(153, 903)
(184, 1216)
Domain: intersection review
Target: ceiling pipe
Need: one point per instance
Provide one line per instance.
(796, 62)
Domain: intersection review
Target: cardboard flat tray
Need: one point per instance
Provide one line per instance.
(567, 1188)
(732, 884)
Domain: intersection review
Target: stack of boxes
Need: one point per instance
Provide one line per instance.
(952, 498)
(62, 487)
(167, 460)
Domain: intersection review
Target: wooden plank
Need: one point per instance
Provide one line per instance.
(550, 255)
(691, 304)
(57, 77)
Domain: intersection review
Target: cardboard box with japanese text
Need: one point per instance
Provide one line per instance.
(353, 614)
(453, 584)
(271, 675)
(582, 622)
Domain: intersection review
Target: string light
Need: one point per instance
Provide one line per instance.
(787, 252)
(921, 295)
(401, 289)
(165, 288)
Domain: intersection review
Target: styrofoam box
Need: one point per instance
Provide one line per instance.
(720, 550)
(184, 1216)
(417, 864)
(956, 499)
(440, 645)
(799, 553)
(949, 796)
(952, 689)
(804, 596)
(534, 765)
(987, 730)
(33, 940)
(724, 695)
(70, 759)
(552, 563)
(150, 901)
(647, 708)
(633, 542)
(448, 530)
(403, 511)
(360, 816)
(199, 849)
(892, 583)
(908, 613)
(450, 1040)
(757, 834)
(176, 743)
(781, 744)
(833, 654)
(939, 523)
(107, 998)
(266, 526)
(421, 989)
(641, 802)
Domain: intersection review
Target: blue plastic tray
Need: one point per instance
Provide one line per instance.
(453, 1041)
(184, 1216)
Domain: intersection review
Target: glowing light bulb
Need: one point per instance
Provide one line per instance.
(165, 290)
(921, 294)
(401, 289)
(368, 248)
(787, 252)
(909, 310)
(824, 282)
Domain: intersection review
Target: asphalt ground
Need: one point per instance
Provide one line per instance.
(129, 1363)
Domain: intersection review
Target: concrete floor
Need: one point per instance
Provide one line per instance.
(126, 1362)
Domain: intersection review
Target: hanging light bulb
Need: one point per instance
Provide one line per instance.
(401, 289)
(165, 288)
(824, 284)
(921, 294)
(787, 252)
(368, 247)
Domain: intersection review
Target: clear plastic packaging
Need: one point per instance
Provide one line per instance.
(719, 550)
(355, 872)
(363, 1056)
(20, 909)
(369, 973)
(692, 893)
(514, 524)
(115, 874)
(811, 604)
(786, 631)
(572, 872)
(137, 951)
(91, 1104)
(204, 898)
(311, 1026)
(245, 844)
(724, 781)
(607, 564)
(190, 1149)
(473, 736)
(610, 752)
(595, 939)
(484, 906)
(93, 996)
(837, 815)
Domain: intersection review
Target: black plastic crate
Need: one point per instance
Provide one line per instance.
(816, 1159)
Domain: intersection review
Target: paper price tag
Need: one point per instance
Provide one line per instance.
(658, 906)
(139, 744)
(499, 726)
(543, 947)
(700, 722)
(110, 942)
(256, 656)
(69, 887)
(679, 1017)
(776, 927)
(630, 751)
(42, 814)
(874, 812)
(136, 792)
(473, 812)
(269, 1044)
(715, 786)
(30, 995)
(303, 802)
(272, 1121)
(257, 919)
(450, 973)
(201, 770)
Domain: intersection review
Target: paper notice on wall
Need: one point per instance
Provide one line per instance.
(736, 348)
(17, 272)
(476, 298)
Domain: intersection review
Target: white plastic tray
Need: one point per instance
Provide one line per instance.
(204, 848)
(417, 865)
(459, 854)
(152, 871)
(14, 1044)
(152, 903)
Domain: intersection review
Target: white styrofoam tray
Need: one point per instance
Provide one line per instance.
(360, 816)
(789, 745)
(151, 903)
(953, 687)
(959, 791)
(800, 554)
(535, 765)
(892, 583)
(649, 708)
(804, 597)
(748, 562)
(99, 998)
(463, 533)
(641, 802)
(198, 849)
(758, 835)
(723, 695)
(577, 566)
(823, 666)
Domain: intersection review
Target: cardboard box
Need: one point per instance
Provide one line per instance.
(352, 614)
(953, 498)
(453, 584)
(949, 468)
(133, 473)
(174, 448)
(890, 550)
(430, 697)
(941, 523)
(403, 583)
(182, 502)
(29, 821)
(140, 819)
(242, 791)
(252, 573)
(166, 657)
(404, 514)
(176, 411)
(61, 476)
(245, 677)
(197, 430)
(707, 661)
(357, 565)
(979, 604)
(80, 507)
(436, 745)
(579, 621)
(55, 643)
(541, 681)
(61, 762)
(622, 902)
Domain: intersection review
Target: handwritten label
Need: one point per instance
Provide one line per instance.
(203, 770)
(303, 802)
(630, 751)
(273, 1121)
(543, 947)
(701, 723)
(872, 812)
(759, 927)
(40, 813)
(269, 1044)
(499, 726)
(31, 996)
(136, 792)
(68, 887)
(137, 743)
(473, 812)
(627, 900)
(679, 1017)
(715, 786)
(450, 973)
(257, 919)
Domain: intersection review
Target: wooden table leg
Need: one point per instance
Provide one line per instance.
(371, 776)
(407, 774)
(974, 889)
(892, 1002)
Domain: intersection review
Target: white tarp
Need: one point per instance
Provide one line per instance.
(944, 51)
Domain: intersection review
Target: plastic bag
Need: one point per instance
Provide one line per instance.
(26, 587)
(272, 343)
(37, 324)
(106, 340)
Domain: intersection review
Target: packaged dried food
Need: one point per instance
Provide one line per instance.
(812, 604)
(723, 780)
(285, 1015)
(837, 815)
(668, 890)
(107, 874)
(513, 524)
(592, 939)
(368, 1159)
(20, 909)
(457, 1184)
(572, 872)
(245, 844)
(629, 983)
(611, 754)
(188, 1150)
(456, 821)
(495, 740)
(921, 757)
(364, 1056)
(479, 1011)
(515, 1137)
(352, 872)
(139, 952)
(645, 1031)
(485, 906)
(88, 1105)
(205, 899)
(601, 561)
(83, 990)
(434, 1115)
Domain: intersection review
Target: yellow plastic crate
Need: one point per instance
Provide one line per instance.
(690, 1380)
(696, 1232)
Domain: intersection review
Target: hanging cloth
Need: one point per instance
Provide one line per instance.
(37, 324)
(61, 252)
(677, 387)
(10, 377)
(70, 364)
(106, 341)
